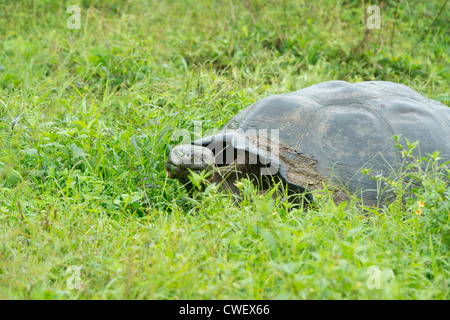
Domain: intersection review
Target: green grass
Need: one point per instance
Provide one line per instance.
(98, 108)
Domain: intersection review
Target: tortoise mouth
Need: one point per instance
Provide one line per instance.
(177, 172)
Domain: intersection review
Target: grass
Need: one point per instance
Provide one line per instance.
(87, 118)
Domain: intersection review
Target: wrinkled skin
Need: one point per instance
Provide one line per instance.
(188, 157)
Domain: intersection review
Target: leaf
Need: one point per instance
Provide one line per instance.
(341, 206)
(354, 231)
(77, 151)
(31, 152)
(81, 124)
(270, 239)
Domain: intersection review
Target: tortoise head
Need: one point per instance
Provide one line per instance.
(227, 153)
(204, 154)
(187, 158)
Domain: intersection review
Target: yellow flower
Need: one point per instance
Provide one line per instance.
(419, 212)
(312, 289)
(421, 204)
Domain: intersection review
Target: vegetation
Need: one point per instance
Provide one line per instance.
(88, 116)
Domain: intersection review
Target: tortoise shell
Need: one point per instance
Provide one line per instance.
(333, 130)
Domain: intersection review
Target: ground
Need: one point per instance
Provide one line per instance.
(91, 107)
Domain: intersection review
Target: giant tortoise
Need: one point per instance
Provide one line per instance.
(327, 132)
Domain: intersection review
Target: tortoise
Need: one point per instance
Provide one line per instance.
(328, 132)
